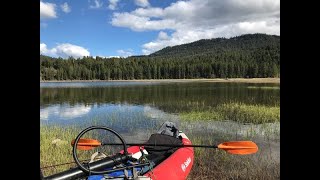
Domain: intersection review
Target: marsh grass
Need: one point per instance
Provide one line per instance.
(57, 154)
(264, 87)
(51, 154)
(238, 112)
(217, 164)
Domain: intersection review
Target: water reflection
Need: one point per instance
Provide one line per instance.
(123, 117)
(129, 105)
(93, 84)
(170, 97)
(128, 118)
(64, 111)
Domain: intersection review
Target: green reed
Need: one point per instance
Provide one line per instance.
(238, 112)
(264, 87)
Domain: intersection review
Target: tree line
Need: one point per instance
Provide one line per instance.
(247, 56)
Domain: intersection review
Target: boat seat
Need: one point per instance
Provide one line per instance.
(159, 153)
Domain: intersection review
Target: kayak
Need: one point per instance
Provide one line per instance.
(164, 156)
(167, 163)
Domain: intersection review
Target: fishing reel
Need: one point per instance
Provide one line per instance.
(123, 156)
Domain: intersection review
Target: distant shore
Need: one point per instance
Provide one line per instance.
(243, 80)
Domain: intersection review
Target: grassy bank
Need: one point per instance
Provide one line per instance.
(56, 153)
(236, 112)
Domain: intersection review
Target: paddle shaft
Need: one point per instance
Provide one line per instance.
(232, 147)
(165, 145)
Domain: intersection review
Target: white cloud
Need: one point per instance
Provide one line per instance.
(65, 7)
(163, 35)
(47, 10)
(270, 27)
(113, 4)
(229, 30)
(142, 3)
(97, 4)
(198, 19)
(138, 23)
(149, 12)
(106, 56)
(44, 50)
(125, 53)
(64, 50)
(113, 57)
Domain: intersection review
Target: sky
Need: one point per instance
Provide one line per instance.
(122, 28)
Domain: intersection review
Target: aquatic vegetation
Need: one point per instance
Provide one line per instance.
(238, 112)
(51, 154)
(264, 87)
(217, 164)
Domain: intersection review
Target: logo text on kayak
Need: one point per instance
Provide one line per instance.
(185, 164)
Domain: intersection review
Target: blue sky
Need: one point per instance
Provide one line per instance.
(135, 27)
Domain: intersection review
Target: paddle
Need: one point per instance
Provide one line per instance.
(232, 147)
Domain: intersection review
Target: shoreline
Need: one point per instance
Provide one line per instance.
(240, 80)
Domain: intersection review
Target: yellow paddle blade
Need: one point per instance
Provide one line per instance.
(86, 144)
(239, 147)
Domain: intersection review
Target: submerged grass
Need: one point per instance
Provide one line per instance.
(238, 112)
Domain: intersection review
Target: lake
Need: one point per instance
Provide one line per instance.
(137, 109)
(76, 103)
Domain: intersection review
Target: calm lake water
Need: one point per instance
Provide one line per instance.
(137, 109)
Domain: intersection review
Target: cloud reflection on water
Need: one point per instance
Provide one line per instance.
(64, 111)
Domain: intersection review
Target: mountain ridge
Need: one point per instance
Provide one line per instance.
(257, 40)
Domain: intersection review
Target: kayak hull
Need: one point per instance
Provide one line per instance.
(176, 167)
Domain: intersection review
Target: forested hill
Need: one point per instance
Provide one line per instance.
(241, 44)
(251, 55)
